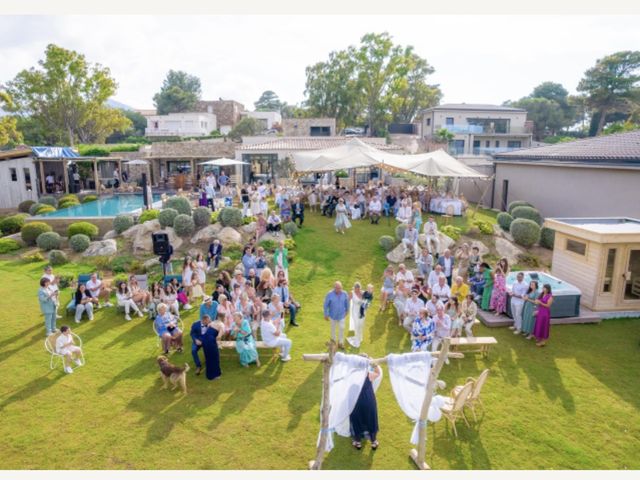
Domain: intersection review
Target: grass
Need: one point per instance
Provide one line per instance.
(572, 405)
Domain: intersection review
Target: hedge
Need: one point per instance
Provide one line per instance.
(529, 213)
(25, 206)
(202, 217)
(42, 208)
(69, 202)
(181, 204)
(167, 216)
(504, 220)
(57, 257)
(290, 228)
(86, 228)
(386, 242)
(12, 224)
(49, 241)
(122, 222)
(400, 229)
(89, 198)
(33, 209)
(547, 237)
(79, 242)
(48, 200)
(31, 231)
(230, 217)
(8, 245)
(184, 225)
(147, 215)
(525, 232)
(515, 204)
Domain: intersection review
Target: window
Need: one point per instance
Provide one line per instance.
(497, 143)
(14, 174)
(514, 144)
(178, 167)
(456, 147)
(320, 131)
(608, 271)
(576, 247)
(449, 121)
(428, 122)
(27, 179)
(487, 144)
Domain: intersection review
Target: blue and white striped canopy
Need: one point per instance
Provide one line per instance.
(54, 152)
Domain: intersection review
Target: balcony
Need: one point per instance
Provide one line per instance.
(489, 151)
(170, 132)
(463, 129)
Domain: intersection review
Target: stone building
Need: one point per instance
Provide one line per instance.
(309, 127)
(227, 112)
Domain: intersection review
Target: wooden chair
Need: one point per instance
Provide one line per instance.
(474, 397)
(454, 406)
(180, 324)
(448, 215)
(50, 347)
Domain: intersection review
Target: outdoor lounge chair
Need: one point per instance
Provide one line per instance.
(168, 278)
(454, 406)
(50, 347)
(474, 396)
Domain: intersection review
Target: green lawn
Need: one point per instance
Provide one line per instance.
(572, 405)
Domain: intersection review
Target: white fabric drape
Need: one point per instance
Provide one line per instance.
(346, 379)
(344, 429)
(409, 374)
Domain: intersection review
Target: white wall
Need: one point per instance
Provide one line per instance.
(269, 117)
(181, 124)
(12, 193)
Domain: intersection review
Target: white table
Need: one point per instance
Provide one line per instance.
(440, 205)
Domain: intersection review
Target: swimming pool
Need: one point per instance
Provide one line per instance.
(566, 297)
(103, 207)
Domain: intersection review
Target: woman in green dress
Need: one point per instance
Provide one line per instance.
(528, 318)
(488, 286)
(245, 343)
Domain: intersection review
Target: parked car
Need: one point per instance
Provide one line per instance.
(353, 131)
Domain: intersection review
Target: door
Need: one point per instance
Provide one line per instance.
(630, 294)
(505, 195)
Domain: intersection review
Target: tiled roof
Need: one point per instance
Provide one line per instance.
(474, 106)
(618, 148)
(311, 143)
(196, 149)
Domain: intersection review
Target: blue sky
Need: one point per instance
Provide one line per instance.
(478, 59)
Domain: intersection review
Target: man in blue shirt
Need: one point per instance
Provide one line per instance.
(208, 307)
(223, 179)
(336, 306)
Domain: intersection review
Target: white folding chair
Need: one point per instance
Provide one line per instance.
(50, 347)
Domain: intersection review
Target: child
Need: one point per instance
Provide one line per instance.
(368, 298)
(424, 263)
(181, 295)
(313, 201)
(66, 347)
(196, 290)
(477, 285)
(474, 261)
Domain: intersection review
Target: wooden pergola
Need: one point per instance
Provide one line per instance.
(65, 165)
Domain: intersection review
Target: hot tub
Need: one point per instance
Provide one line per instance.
(566, 297)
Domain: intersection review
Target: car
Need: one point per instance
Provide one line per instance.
(353, 131)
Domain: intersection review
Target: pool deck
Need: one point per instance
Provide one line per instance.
(586, 316)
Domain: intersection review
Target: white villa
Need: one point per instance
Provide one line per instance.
(187, 124)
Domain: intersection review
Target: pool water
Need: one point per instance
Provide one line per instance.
(103, 207)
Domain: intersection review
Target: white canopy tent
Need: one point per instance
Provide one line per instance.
(437, 164)
(223, 162)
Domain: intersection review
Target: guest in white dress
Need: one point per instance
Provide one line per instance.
(342, 218)
(356, 321)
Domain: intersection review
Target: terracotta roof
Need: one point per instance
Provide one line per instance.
(311, 143)
(618, 148)
(474, 106)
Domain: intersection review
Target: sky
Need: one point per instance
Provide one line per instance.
(477, 59)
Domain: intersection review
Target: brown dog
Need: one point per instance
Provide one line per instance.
(170, 372)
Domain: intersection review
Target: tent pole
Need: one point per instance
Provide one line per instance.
(95, 175)
(418, 455)
(43, 187)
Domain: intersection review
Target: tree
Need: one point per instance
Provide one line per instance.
(612, 85)
(547, 115)
(138, 126)
(268, 102)
(248, 126)
(10, 136)
(179, 93)
(65, 98)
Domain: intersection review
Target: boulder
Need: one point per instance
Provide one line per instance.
(206, 234)
(151, 226)
(110, 234)
(193, 252)
(152, 262)
(445, 242)
(397, 255)
(229, 236)
(272, 237)
(249, 229)
(101, 248)
(505, 248)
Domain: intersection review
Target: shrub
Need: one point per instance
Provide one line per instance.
(79, 242)
(248, 220)
(25, 206)
(291, 256)
(234, 251)
(525, 232)
(529, 213)
(33, 209)
(137, 267)
(547, 237)
(451, 231)
(49, 241)
(202, 217)
(68, 196)
(8, 245)
(400, 229)
(70, 202)
(31, 231)
(289, 244)
(167, 216)
(184, 225)
(57, 257)
(121, 264)
(89, 198)
(229, 265)
(484, 227)
(101, 262)
(12, 224)
(48, 200)
(65, 281)
(89, 229)
(269, 245)
(230, 217)
(290, 228)
(32, 257)
(516, 204)
(504, 220)
(181, 204)
(386, 242)
(214, 216)
(528, 260)
(147, 215)
(122, 223)
(119, 278)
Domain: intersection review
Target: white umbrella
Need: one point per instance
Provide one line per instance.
(136, 162)
(223, 162)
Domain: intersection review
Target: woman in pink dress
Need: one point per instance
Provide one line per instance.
(498, 302)
(543, 316)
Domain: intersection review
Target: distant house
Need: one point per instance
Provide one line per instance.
(228, 112)
(309, 127)
(187, 124)
(18, 177)
(478, 129)
(267, 119)
(593, 177)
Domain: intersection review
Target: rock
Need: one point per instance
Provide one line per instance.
(229, 236)
(445, 242)
(504, 248)
(272, 237)
(142, 242)
(397, 255)
(483, 249)
(110, 234)
(206, 234)
(249, 229)
(152, 262)
(102, 248)
(147, 227)
(193, 252)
